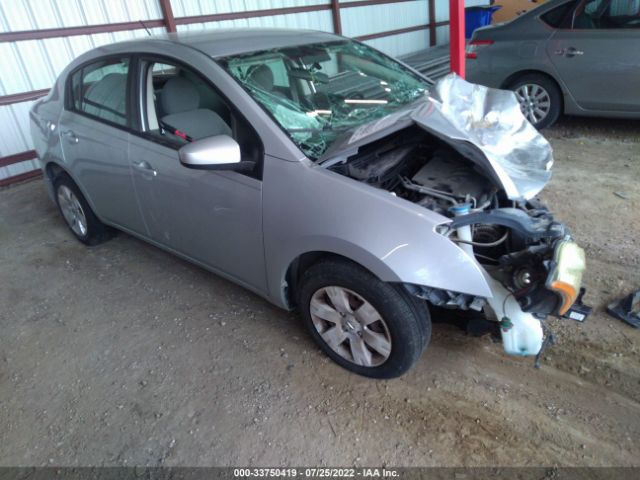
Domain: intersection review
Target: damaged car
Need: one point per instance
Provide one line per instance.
(320, 174)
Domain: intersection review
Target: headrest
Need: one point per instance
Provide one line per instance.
(261, 76)
(108, 83)
(179, 95)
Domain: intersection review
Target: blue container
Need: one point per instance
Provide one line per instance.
(476, 17)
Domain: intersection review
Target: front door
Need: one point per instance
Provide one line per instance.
(597, 54)
(212, 217)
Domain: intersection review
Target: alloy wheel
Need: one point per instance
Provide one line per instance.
(535, 102)
(351, 326)
(72, 211)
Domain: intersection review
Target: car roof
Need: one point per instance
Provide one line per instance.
(221, 42)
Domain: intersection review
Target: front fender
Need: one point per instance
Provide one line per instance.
(310, 209)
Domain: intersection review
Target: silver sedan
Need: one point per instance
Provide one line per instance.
(578, 57)
(320, 174)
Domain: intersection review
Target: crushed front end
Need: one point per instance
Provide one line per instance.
(529, 260)
(469, 155)
(532, 265)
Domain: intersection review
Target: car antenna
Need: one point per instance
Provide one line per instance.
(145, 27)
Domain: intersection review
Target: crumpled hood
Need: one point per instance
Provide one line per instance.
(490, 130)
(483, 124)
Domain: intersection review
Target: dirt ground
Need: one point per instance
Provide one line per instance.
(123, 354)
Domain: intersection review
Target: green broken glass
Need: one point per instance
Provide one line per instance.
(318, 92)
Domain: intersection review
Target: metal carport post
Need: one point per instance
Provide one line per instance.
(456, 36)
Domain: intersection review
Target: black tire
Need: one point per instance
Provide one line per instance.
(95, 232)
(405, 317)
(553, 91)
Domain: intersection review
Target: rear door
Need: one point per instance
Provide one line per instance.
(95, 139)
(596, 53)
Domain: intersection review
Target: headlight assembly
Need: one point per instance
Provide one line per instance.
(565, 277)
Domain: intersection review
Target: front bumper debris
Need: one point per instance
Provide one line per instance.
(627, 309)
(578, 311)
(521, 332)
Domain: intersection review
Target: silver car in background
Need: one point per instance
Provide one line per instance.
(320, 174)
(578, 57)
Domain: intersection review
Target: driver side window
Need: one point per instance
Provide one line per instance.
(180, 106)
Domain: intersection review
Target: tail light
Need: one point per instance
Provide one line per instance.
(475, 45)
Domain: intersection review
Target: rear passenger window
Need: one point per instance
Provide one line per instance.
(554, 18)
(606, 14)
(100, 90)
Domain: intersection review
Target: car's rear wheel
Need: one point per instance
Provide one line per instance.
(540, 99)
(77, 213)
(367, 326)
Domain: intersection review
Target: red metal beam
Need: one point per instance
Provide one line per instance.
(456, 36)
(22, 97)
(72, 31)
(167, 15)
(335, 15)
(371, 36)
(218, 17)
(35, 94)
(170, 22)
(20, 178)
(399, 31)
(17, 158)
(432, 23)
(388, 33)
(368, 3)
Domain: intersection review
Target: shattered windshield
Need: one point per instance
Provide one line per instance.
(319, 91)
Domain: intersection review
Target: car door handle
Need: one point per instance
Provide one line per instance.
(569, 52)
(144, 167)
(70, 136)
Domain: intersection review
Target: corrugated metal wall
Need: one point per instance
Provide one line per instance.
(35, 64)
(320, 20)
(379, 18)
(32, 65)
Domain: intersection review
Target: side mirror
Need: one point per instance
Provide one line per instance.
(212, 153)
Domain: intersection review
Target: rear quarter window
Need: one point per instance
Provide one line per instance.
(554, 18)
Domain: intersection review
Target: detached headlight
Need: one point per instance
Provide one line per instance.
(565, 278)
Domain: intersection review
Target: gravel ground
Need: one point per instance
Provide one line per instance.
(123, 354)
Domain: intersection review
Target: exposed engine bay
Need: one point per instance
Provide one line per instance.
(516, 243)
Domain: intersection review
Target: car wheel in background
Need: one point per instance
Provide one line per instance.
(78, 214)
(540, 99)
(367, 326)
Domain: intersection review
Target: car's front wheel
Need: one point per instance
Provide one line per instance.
(540, 99)
(77, 213)
(370, 327)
